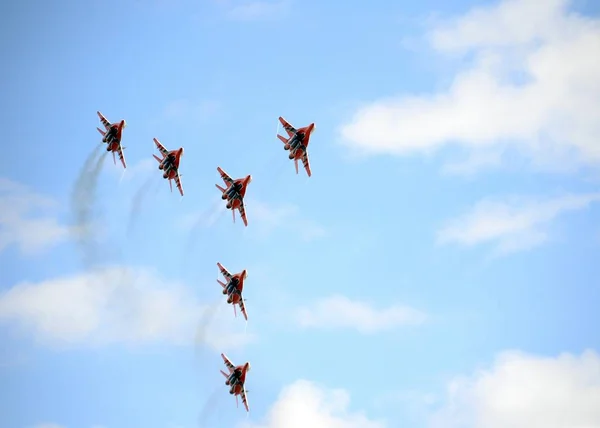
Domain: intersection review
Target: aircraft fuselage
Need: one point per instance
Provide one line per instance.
(111, 135)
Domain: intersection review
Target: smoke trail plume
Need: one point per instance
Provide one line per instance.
(199, 342)
(136, 204)
(83, 198)
(202, 330)
(206, 219)
(210, 406)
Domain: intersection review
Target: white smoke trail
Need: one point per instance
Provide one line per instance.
(83, 199)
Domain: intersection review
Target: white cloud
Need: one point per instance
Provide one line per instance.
(305, 404)
(27, 219)
(340, 312)
(532, 85)
(511, 225)
(117, 305)
(524, 391)
(259, 10)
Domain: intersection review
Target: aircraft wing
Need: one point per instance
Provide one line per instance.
(228, 363)
(243, 212)
(226, 178)
(306, 163)
(286, 125)
(244, 398)
(178, 182)
(105, 122)
(122, 156)
(161, 148)
(243, 309)
(224, 271)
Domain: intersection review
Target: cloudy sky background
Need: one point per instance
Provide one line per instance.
(439, 270)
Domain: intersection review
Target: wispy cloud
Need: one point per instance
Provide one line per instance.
(340, 312)
(116, 305)
(474, 162)
(269, 218)
(258, 10)
(511, 225)
(143, 167)
(306, 404)
(264, 220)
(525, 391)
(413, 403)
(135, 170)
(532, 85)
(28, 219)
(205, 218)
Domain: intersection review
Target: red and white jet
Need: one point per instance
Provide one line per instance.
(234, 193)
(233, 288)
(170, 164)
(297, 143)
(236, 380)
(112, 137)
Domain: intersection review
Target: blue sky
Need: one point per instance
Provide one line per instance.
(439, 269)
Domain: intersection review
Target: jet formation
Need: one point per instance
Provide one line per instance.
(233, 193)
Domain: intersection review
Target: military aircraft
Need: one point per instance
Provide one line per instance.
(170, 164)
(112, 137)
(236, 380)
(233, 289)
(234, 193)
(297, 143)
